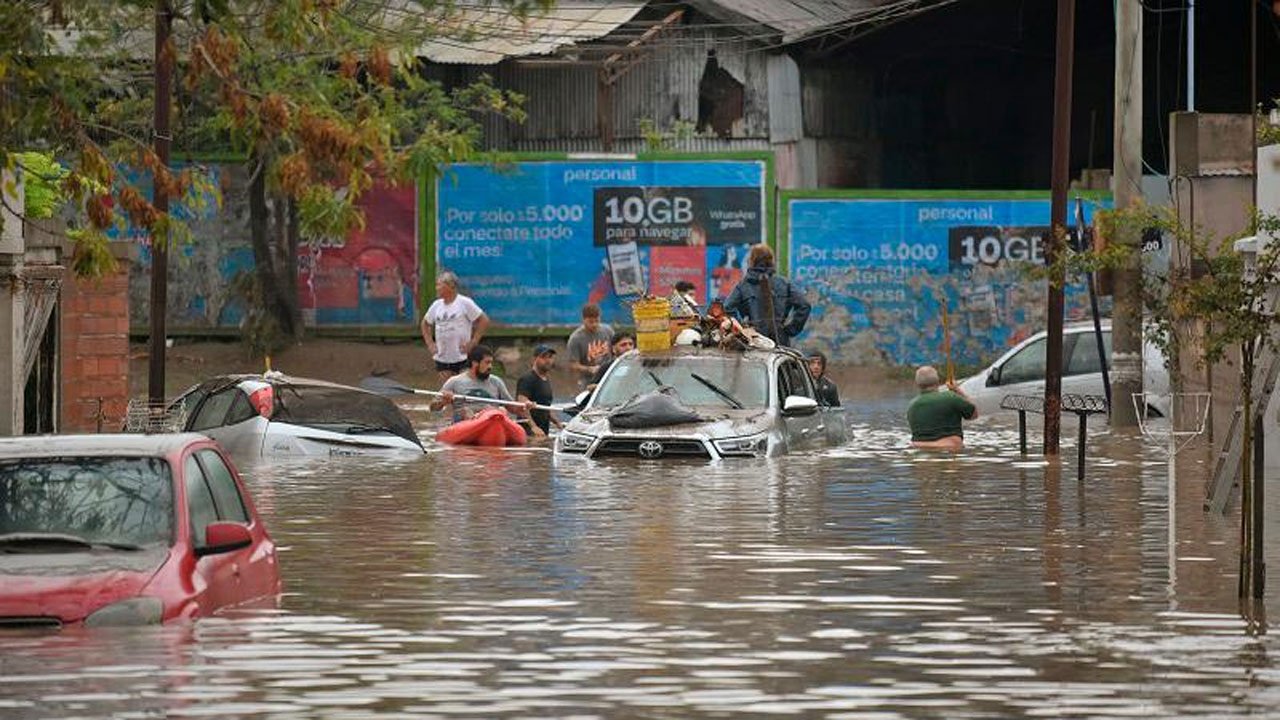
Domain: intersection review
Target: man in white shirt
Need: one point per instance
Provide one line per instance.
(452, 326)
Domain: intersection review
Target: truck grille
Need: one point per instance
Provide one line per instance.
(19, 622)
(670, 448)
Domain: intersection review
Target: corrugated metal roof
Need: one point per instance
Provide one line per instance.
(480, 33)
(796, 19)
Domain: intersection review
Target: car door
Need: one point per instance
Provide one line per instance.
(228, 417)
(214, 577)
(1082, 371)
(802, 431)
(252, 567)
(1020, 374)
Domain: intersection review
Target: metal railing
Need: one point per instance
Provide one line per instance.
(1082, 405)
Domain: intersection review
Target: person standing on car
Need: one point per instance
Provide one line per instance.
(935, 416)
(774, 307)
(452, 327)
(477, 382)
(828, 394)
(535, 386)
(588, 345)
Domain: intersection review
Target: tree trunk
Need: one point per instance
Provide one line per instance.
(1247, 539)
(273, 234)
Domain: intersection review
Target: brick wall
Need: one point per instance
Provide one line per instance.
(95, 351)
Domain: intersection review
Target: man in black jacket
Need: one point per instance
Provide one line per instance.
(773, 306)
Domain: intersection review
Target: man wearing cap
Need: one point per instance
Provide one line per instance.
(535, 386)
(828, 394)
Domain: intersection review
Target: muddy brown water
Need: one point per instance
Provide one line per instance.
(861, 582)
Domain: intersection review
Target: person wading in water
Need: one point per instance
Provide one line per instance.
(935, 416)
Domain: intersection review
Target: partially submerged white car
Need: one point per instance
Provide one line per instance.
(276, 415)
(753, 403)
(1021, 370)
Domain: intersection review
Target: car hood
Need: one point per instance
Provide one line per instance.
(72, 585)
(716, 423)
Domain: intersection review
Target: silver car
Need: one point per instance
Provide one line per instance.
(274, 415)
(1021, 370)
(751, 404)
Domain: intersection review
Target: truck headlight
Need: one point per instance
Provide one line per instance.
(134, 611)
(746, 446)
(572, 442)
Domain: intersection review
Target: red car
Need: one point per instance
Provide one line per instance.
(126, 530)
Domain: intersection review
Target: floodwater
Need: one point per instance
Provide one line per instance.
(862, 582)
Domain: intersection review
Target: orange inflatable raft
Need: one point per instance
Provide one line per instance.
(488, 428)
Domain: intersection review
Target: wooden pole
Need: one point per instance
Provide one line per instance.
(1061, 177)
(159, 242)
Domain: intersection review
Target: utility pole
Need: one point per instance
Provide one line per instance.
(1126, 325)
(1062, 72)
(160, 241)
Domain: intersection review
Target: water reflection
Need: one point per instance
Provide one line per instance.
(862, 582)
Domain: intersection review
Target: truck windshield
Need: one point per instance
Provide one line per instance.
(745, 379)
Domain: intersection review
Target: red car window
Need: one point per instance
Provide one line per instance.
(225, 493)
(200, 506)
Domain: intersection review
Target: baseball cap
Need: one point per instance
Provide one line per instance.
(543, 349)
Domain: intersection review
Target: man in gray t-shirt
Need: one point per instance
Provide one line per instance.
(476, 382)
(589, 345)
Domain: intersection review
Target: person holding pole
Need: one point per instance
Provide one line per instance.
(479, 382)
(935, 416)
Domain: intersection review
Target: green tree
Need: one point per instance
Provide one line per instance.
(323, 97)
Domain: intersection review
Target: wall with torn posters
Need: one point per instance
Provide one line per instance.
(878, 268)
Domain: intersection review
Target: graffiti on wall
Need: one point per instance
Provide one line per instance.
(534, 241)
(367, 278)
(879, 271)
(201, 270)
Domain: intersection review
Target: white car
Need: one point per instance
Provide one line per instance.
(276, 415)
(1021, 370)
(753, 403)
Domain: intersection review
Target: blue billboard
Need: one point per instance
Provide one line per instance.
(879, 270)
(533, 241)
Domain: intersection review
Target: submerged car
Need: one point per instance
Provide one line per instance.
(1021, 370)
(277, 415)
(126, 530)
(752, 403)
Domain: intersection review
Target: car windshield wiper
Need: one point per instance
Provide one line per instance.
(18, 539)
(718, 390)
(657, 380)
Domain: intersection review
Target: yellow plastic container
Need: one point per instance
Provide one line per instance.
(653, 329)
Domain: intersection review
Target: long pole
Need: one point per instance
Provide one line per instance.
(1058, 219)
(1093, 307)
(1191, 55)
(1258, 582)
(159, 242)
(1126, 325)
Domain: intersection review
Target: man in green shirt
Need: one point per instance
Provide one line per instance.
(934, 416)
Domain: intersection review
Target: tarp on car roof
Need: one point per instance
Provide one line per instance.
(305, 403)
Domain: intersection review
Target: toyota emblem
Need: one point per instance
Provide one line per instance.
(650, 449)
